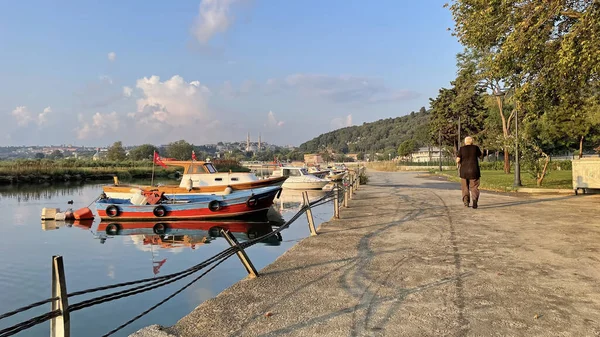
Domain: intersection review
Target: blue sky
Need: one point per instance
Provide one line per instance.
(93, 72)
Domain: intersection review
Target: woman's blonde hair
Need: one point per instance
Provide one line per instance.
(468, 140)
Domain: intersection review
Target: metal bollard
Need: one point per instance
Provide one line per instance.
(233, 242)
(60, 326)
(309, 216)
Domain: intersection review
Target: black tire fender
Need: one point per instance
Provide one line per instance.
(214, 205)
(159, 211)
(252, 201)
(159, 228)
(112, 211)
(112, 229)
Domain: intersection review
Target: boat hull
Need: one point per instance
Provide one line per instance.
(314, 185)
(124, 191)
(231, 206)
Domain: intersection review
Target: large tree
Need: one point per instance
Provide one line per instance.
(180, 150)
(547, 54)
(116, 152)
(142, 152)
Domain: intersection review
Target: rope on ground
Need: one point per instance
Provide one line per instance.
(29, 323)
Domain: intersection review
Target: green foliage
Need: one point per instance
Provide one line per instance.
(39, 155)
(56, 154)
(180, 150)
(373, 137)
(406, 148)
(116, 152)
(143, 152)
(226, 165)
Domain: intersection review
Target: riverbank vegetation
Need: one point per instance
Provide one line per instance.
(72, 169)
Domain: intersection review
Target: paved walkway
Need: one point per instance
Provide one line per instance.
(408, 259)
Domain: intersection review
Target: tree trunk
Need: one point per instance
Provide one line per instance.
(506, 161)
(581, 147)
(540, 178)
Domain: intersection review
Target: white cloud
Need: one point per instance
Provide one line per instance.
(100, 124)
(272, 121)
(173, 102)
(106, 78)
(22, 115)
(42, 118)
(112, 56)
(127, 91)
(213, 17)
(338, 123)
(346, 89)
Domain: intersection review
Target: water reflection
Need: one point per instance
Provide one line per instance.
(291, 201)
(48, 225)
(44, 191)
(178, 234)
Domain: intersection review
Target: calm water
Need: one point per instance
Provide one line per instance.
(93, 258)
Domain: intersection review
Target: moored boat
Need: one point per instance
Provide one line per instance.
(199, 178)
(157, 206)
(298, 178)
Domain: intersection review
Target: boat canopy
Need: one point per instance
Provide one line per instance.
(193, 167)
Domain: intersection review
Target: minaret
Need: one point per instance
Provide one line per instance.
(248, 142)
(259, 142)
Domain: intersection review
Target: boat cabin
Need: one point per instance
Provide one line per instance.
(205, 174)
(290, 171)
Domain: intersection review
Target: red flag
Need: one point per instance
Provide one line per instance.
(194, 155)
(157, 160)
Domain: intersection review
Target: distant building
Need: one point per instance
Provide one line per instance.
(426, 154)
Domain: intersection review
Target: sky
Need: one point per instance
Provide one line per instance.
(94, 72)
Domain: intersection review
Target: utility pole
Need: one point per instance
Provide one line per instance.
(440, 148)
(517, 182)
(458, 147)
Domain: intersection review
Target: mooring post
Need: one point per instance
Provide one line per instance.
(336, 202)
(233, 242)
(59, 326)
(351, 184)
(346, 193)
(309, 216)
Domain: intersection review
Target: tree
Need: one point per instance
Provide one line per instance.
(116, 152)
(407, 148)
(180, 150)
(39, 155)
(56, 154)
(143, 152)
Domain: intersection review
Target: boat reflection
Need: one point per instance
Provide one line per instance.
(176, 234)
(291, 200)
(48, 225)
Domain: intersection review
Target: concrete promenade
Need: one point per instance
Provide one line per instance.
(408, 259)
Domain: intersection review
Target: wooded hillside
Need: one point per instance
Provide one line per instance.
(384, 135)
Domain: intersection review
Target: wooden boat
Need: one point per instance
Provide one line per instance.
(199, 178)
(237, 204)
(298, 178)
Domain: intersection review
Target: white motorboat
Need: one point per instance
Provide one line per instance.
(298, 178)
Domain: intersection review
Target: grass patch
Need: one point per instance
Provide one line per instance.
(386, 166)
(498, 181)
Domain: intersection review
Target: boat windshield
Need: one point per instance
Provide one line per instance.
(210, 168)
(304, 171)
